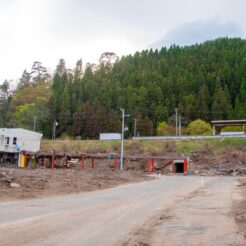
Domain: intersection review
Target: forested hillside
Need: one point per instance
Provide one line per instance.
(206, 81)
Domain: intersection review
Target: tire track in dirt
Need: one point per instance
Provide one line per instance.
(143, 235)
(201, 217)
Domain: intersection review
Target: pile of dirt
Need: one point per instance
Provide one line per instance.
(18, 183)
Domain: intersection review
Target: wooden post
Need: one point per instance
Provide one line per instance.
(116, 161)
(149, 165)
(53, 162)
(26, 160)
(92, 164)
(173, 167)
(82, 162)
(153, 166)
(185, 165)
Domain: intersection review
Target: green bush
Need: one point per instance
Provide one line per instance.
(199, 127)
(232, 129)
(162, 129)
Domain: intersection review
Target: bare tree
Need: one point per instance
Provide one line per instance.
(108, 58)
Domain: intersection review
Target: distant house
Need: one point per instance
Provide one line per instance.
(14, 141)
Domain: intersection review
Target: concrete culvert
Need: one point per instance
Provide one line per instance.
(179, 167)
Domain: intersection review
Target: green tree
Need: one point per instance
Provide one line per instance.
(202, 110)
(4, 104)
(65, 116)
(221, 108)
(188, 107)
(204, 81)
(145, 127)
(240, 105)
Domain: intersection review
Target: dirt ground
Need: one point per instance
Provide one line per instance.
(34, 183)
(46, 182)
(239, 208)
(198, 217)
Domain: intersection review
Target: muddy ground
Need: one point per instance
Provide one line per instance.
(239, 208)
(42, 182)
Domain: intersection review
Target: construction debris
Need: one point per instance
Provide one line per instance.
(42, 182)
(14, 185)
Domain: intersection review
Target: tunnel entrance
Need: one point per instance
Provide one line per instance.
(179, 167)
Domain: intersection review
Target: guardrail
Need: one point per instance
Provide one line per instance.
(188, 137)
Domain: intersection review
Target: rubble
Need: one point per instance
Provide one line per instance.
(14, 185)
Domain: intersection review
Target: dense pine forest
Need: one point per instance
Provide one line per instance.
(203, 81)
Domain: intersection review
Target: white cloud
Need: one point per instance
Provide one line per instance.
(48, 30)
(197, 32)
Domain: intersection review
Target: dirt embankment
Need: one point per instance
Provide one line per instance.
(31, 183)
(16, 183)
(230, 161)
(239, 208)
(208, 156)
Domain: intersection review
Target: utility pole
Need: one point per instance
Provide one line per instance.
(122, 138)
(176, 117)
(54, 130)
(179, 125)
(135, 127)
(34, 123)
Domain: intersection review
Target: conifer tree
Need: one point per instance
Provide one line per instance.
(240, 105)
(202, 111)
(65, 110)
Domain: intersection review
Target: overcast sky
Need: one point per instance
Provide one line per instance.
(47, 30)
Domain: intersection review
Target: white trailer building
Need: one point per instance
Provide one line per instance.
(110, 136)
(14, 141)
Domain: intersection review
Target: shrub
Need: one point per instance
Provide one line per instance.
(199, 127)
(162, 129)
(232, 129)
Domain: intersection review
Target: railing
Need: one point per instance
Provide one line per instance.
(188, 137)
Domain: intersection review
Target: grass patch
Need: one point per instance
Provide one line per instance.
(190, 146)
(143, 147)
(80, 145)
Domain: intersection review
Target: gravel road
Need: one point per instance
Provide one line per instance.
(170, 210)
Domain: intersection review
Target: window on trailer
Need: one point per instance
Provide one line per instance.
(6, 140)
(14, 140)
